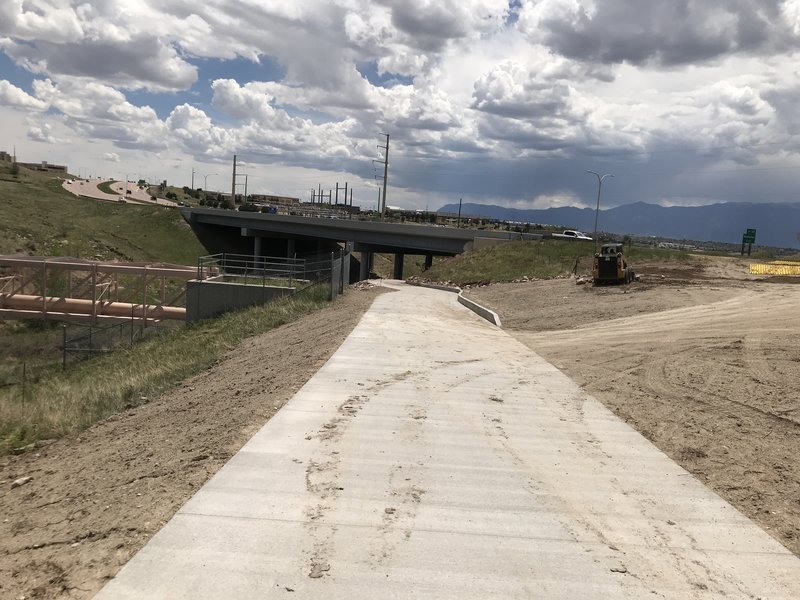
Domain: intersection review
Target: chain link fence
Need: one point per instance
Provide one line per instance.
(80, 342)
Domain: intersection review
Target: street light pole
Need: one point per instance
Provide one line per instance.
(597, 210)
(205, 181)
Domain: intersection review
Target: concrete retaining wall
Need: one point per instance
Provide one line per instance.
(205, 299)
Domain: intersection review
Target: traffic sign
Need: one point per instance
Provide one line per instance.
(749, 237)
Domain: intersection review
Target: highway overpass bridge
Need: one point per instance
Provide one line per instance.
(263, 234)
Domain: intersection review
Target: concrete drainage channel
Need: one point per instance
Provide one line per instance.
(479, 310)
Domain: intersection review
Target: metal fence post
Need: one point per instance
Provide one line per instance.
(333, 287)
(341, 271)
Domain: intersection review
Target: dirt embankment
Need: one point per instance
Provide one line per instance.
(701, 358)
(96, 498)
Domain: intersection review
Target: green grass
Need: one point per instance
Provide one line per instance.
(383, 265)
(767, 254)
(32, 346)
(105, 186)
(39, 217)
(540, 259)
(59, 403)
(182, 196)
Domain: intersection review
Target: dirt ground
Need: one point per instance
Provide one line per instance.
(96, 498)
(701, 358)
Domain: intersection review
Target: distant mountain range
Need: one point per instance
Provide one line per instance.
(776, 224)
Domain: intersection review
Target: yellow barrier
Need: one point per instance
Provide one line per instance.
(778, 267)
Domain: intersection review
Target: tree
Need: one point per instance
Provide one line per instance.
(15, 169)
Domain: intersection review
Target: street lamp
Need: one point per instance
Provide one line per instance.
(597, 210)
(205, 181)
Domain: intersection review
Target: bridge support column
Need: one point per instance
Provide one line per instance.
(398, 265)
(290, 248)
(256, 245)
(366, 262)
(428, 261)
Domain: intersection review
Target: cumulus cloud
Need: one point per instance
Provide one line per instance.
(11, 95)
(192, 126)
(110, 156)
(102, 112)
(55, 21)
(511, 90)
(42, 133)
(110, 42)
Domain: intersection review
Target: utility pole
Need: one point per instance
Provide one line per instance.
(385, 175)
(233, 181)
(385, 163)
(192, 177)
(459, 213)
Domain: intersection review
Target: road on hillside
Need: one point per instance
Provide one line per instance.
(89, 189)
(436, 456)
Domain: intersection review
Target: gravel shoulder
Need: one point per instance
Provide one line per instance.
(700, 357)
(96, 498)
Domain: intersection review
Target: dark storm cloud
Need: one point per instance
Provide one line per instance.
(670, 33)
(431, 29)
(429, 26)
(142, 62)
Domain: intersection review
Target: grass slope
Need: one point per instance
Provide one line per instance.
(39, 217)
(539, 259)
(62, 402)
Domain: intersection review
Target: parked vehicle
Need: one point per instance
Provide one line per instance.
(572, 234)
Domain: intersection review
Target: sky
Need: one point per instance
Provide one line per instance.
(685, 102)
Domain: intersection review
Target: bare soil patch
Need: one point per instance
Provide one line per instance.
(96, 498)
(701, 358)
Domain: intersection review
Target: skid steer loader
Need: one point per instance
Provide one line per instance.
(610, 266)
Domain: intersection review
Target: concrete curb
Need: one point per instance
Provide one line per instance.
(479, 310)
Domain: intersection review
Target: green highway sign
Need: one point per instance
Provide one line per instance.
(749, 237)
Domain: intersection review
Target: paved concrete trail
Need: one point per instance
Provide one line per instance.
(435, 456)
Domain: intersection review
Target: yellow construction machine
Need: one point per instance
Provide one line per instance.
(610, 266)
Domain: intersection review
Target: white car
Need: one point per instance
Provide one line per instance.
(572, 234)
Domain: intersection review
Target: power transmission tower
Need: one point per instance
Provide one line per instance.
(385, 163)
(233, 182)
